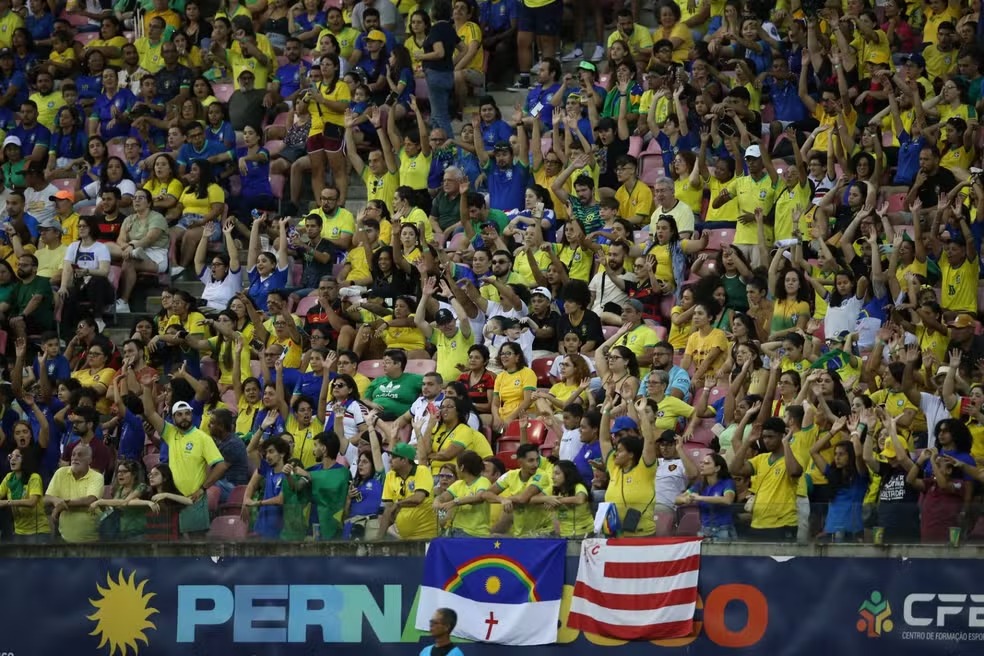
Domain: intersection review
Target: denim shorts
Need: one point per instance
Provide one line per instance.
(719, 533)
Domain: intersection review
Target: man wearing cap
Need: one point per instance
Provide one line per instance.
(755, 191)
(547, 319)
(637, 336)
(195, 460)
(963, 339)
(507, 174)
(372, 32)
(452, 339)
(51, 251)
(32, 305)
(250, 51)
(637, 36)
(914, 72)
(674, 472)
(34, 138)
(406, 497)
(39, 194)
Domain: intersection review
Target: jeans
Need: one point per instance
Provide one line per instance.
(719, 533)
(440, 87)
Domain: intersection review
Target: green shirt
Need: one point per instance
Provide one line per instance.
(43, 315)
(446, 210)
(395, 395)
(295, 502)
(329, 490)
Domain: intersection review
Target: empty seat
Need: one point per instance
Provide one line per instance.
(420, 366)
(541, 367)
(228, 527)
(371, 368)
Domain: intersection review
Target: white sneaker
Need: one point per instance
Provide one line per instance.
(176, 271)
(598, 54)
(573, 55)
(520, 86)
(122, 306)
(101, 325)
(535, 68)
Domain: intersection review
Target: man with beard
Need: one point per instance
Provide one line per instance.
(197, 463)
(70, 493)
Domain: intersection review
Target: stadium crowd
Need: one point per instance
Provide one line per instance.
(722, 274)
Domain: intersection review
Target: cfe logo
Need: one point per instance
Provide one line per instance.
(875, 614)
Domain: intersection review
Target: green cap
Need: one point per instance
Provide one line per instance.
(588, 66)
(403, 450)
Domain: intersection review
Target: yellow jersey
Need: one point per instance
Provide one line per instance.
(472, 519)
(775, 497)
(634, 489)
(416, 522)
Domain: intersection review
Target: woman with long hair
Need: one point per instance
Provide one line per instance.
(618, 369)
(791, 310)
(114, 174)
(465, 496)
(218, 128)
(165, 187)
(22, 491)
(89, 80)
(327, 102)
(201, 202)
(400, 80)
(479, 381)
(365, 497)
(537, 211)
(85, 276)
(164, 505)
(451, 434)
(128, 486)
(68, 144)
(254, 176)
(714, 494)
(631, 460)
(339, 404)
(572, 388)
(670, 252)
(95, 159)
(420, 26)
(570, 502)
(195, 27)
(513, 391)
(707, 347)
(847, 481)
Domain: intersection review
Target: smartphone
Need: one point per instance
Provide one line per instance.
(716, 430)
(535, 112)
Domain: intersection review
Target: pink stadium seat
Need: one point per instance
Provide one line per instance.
(281, 119)
(222, 92)
(76, 20)
(608, 331)
(305, 304)
(3, 341)
(274, 147)
(64, 183)
(717, 392)
(689, 522)
(702, 432)
(151, 460)
(229, 398)
(209, 368)
(234, 503)
(651, 168)
(85, 37)
(635, 145)
(88, 210)
(896, 203)
(664, 523)
(213, 493)
(420, 89)
(228, 527)
(719, 237)
(541, 367)
(277, 183)
(696, 451)
(371, 368)
(115, 149)
(459, 241)
(420, 366)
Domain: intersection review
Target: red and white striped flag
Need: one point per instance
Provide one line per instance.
(636, 588)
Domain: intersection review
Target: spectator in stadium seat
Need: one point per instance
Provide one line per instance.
(452, 337)
(406, 505)
(201, 202)
(34, 138)
(246, 103)
(33, 303)
(18, 217)
(39, 193)
(84, 422)
(70, 493)
(774, 515)
(51, 251)
(267, 271)
(85, 278)
(392, 394)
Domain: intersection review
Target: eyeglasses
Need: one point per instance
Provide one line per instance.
(97, 353)
(218, 263)
(551, 161)
(615, 357)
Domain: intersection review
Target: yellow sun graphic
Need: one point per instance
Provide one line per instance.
(493, 585)
(122, 613)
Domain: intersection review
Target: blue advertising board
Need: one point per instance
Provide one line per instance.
(359, 606)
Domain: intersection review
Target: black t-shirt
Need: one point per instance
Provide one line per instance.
(314, 270)
(589, 330)
(940, 182)
(444, 32)
(606, 161)
(549, 321)
(970, 356)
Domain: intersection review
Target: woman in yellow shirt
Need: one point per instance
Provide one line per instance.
(687, 187)
(680, 320)
(201, 201)
(96, 375)
(791, 310)
(572, 388)
(671, 28)
(249, 399)
(631, 467)
(400, 331)
(514, 387)
(165, 187)
(328, 101)
(570, 502)
(221, 347)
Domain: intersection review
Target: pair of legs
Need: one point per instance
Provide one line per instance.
(463, 80)
(580, 23)
(153, 262)
(544, 24)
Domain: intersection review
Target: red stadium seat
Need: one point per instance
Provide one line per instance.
(151, 460)
(228, 527)
(664, 523)
(702, 432)
(274, 146)
(234, 503)
(896, 203)
(506, 452)
(213, 493)
(689, 523)
(536, 432)
(720, 237)
(222, 92)
(304, 305)
(541, 367)
(420, 366)
(371, 368)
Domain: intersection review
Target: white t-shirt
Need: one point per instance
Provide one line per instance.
(218, 294)
(126, 187)
(932, 406)
(606, 291)
(418, 410)
(570, 443)
(37, 203)
(843, 317)
(671, 481)
(86, 257)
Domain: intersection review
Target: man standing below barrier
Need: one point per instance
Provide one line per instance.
(441, 626)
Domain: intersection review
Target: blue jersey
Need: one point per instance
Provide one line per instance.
(270, 519)
(507, 187)
(132, 437)
(188, 154)
(256, 182)
(497, 16)
(291, 76)
(260, 288)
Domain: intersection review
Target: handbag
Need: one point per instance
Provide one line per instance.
(195, 518)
